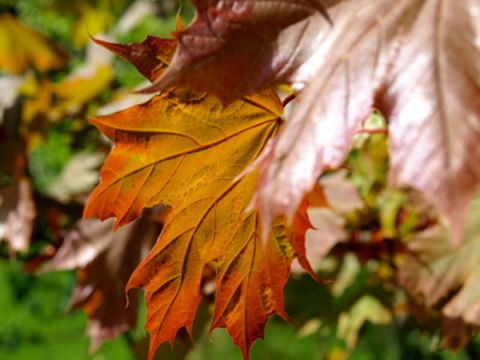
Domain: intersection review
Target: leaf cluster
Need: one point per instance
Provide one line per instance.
(274, 138)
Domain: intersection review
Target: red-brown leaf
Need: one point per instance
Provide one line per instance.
(231, 44)
(151, 56)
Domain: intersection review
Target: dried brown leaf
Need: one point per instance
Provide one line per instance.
(105, 260)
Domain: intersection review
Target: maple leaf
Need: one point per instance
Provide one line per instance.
(416, 59)
(445, 279)
(184, 150)
(105, 261)
(240, 38)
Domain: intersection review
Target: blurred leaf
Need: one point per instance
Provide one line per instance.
(17, 212)
(78, 177)
(439, 277)
(38, 100)
(91, 20)
(367, 308)
(52, 101)
(105, 261)
(347, 275)
(22, 48)
(78, 89)
(341, 194)
(368, 160)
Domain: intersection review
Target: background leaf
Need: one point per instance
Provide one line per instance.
(442, 279)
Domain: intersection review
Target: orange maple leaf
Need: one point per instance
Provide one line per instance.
(184, 150)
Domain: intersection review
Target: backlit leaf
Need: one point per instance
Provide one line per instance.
(184, 150)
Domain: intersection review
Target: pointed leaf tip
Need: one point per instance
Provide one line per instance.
(150, 56)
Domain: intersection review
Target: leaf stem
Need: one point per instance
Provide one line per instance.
(373, 131)
(288, 99)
